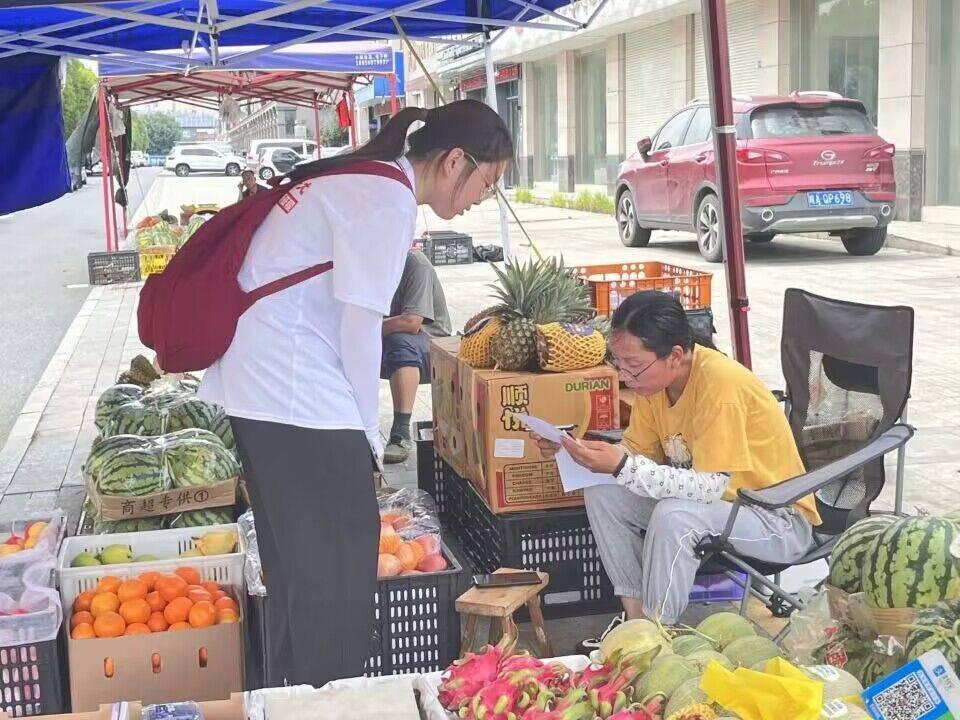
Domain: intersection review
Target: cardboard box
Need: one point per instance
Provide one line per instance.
(199, 664)
(177, 500)
(476, 433)
(232, 709)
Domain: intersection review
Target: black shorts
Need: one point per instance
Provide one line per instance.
(402, 350)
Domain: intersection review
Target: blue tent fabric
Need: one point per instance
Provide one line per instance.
(145, 37)
(36, 172)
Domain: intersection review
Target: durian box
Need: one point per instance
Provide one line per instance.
(475, 430)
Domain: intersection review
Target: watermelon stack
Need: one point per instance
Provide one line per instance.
(846, 560)
(937, 628)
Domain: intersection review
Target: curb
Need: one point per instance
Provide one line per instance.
(922, 246)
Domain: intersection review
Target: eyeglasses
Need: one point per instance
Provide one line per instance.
(490, 189)
(634, 375)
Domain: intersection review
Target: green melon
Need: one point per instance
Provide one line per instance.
(666, 674)
(937, 628)
(750, 650)
(847, 557)
(687, 694)
(725, 627)
(837, 683)
(112, 398)
(911, 564)
(201, 518)
(686, 644)
(702, 658)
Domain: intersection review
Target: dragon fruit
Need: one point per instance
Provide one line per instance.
(572, 707)
(554, 677)
(616, 693)
(466, 677)
(520, 661)
(500, 700)
(650, 709)
(592, 676)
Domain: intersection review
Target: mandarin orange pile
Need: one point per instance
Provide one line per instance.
(152, 602)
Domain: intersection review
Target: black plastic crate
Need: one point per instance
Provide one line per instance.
(107, 268)
(416, 626)
(445, 247)
(32, 678)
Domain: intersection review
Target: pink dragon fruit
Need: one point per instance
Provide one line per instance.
(615, 694)
(572, 707)
(651, 709)
(500, 700)
(464, 678)
(592, 676)
(554, 677)
(520, 661)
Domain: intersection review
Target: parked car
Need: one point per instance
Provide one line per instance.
(138, 158)
(184, 159)
(276, 161)
(304, 148)
(807, 162)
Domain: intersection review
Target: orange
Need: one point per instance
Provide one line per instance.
(109, 625)
(108, 584)
(137, 629)
(227, 615)
(135, 611)
(157, 622)
(210, 586)
(180, 626)
(203, 614)
(418, 550)
(171, 587)
(83, 631)
(156, 603)
(150, 580)
(178, 610)
(132, 590)
(81, 617)
(408, 556)
(218, 594)
(198, 594)
(103, 603)
(227, 602)
(83, 600)
(189, 574)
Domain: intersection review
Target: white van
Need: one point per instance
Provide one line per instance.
(303, 148)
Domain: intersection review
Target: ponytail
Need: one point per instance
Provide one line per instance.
(659, 321)
(467, 124)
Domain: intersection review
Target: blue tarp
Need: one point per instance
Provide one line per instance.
(35, 167)
(446, 18)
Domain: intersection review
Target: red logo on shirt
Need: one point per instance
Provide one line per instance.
(288, 202)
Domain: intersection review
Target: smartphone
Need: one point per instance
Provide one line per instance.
(506, 579)
(610, 436)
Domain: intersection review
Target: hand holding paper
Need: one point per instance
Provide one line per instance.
(581, 463)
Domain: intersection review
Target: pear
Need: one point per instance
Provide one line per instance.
(144, 558)
(217, 542)
(84, 559)
(115, 555)
(192, 552)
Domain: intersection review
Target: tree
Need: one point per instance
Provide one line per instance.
(77, 93)
(162, 132)
(331, 134)
(141, 137)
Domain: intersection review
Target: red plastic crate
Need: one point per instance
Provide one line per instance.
(611, 284)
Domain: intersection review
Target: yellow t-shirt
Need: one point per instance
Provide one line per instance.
(725, 421)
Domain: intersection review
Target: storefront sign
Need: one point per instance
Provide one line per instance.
(504, 74)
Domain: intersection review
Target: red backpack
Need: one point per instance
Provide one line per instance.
(188, 313)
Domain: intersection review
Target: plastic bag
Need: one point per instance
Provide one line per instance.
(166, 410)
(410, 511)
(173, 711)
(30, 609)
(810, 628)
(251, 566)
(781, 692)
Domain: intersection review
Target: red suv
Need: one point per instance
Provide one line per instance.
(807, 162)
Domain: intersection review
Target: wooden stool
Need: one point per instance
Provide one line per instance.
(503, 602)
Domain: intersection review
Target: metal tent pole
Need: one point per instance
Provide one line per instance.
(492, 102)
(725, 148)
(104, 164)
(352, 106)
(316, 120)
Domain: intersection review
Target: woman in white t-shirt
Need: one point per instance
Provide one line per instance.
(300, 381)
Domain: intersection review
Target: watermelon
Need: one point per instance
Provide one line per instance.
(846, 559)
(197, 463)
(105, 448)
(133, 473)
(749, 650)
(873, 668)
(201, 518)
(911, 564)
(937, 627)
(135, 418)
(191, 434)
(112, 398)
(103, 527)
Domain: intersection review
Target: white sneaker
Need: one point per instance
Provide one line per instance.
(589, 646)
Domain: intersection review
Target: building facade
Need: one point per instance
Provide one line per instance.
(583, 99)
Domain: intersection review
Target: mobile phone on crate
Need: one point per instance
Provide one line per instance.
(510, 579)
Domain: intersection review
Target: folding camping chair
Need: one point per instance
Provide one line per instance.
(847, 368)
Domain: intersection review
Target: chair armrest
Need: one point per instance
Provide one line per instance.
(780, 395)
(790, 491)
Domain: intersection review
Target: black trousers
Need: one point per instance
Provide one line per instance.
(317, 523)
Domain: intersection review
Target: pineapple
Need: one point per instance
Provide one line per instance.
(533, 293)
(475, 345)
(468, 326)
(566, 346)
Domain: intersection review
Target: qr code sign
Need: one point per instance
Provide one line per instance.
(907, 700)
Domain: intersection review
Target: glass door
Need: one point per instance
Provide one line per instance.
(943, 104)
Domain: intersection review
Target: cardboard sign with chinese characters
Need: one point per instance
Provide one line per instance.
(477, 433)
(177, 500)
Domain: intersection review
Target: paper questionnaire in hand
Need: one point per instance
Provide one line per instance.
(572, 475)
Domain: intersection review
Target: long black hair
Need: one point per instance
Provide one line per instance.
(467, 124)
(658, 320)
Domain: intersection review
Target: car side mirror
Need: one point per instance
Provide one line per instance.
(644, 145)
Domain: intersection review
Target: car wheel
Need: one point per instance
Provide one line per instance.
(763, 238)
(266, 173)
(631, 234)
(709, 229)
(233, 169)
(864, 242)
(182, 170)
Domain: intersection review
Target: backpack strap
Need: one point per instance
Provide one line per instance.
(367, 167)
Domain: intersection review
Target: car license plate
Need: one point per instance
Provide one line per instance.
(830, 198)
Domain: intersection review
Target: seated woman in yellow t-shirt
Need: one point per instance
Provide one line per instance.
(702, 426)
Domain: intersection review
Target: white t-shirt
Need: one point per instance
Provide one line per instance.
(284, 364)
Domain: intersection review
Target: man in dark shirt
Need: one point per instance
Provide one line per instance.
(418, 313)
(249, 185)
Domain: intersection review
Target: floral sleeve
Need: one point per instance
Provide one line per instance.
(649, 479)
